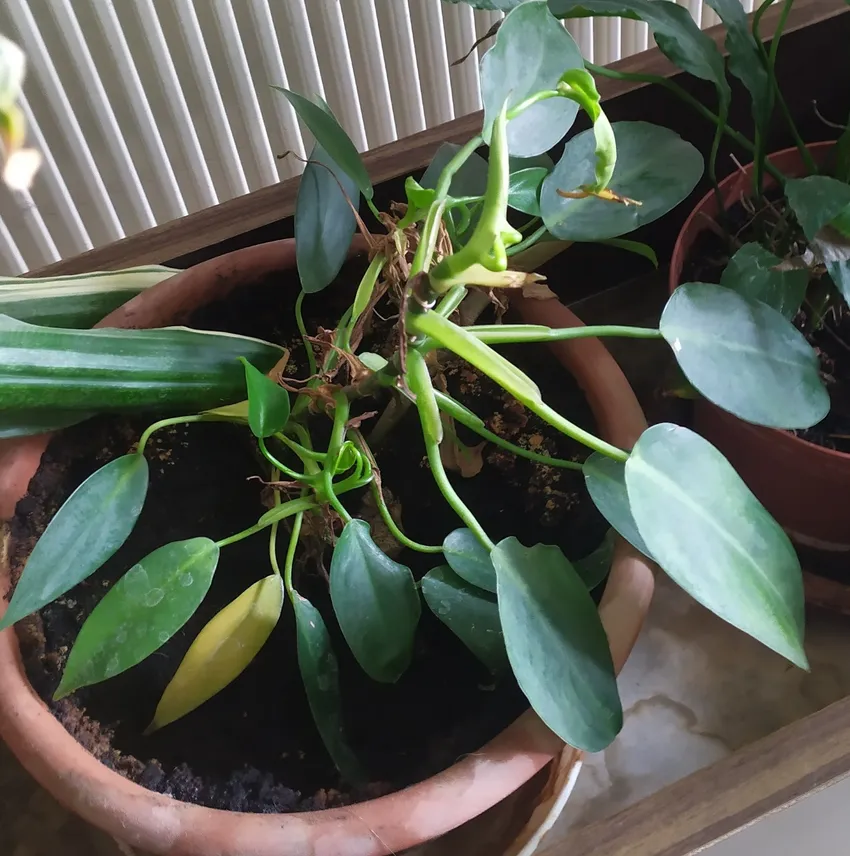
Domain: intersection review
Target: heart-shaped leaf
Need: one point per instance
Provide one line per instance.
(141, 612)
(331, 137)
(376, 603)
(524, 189)
(744, 356)
(222, 650)
(594, 567)
(816, 200)
(758, 274)
(320, 674)
(469, 180)
(86, 531)
(715, 539)
(556, 644)
(655, 167)
(470, 613)
(268, 403)
(532, 50)
(324, 221)
(469, 559)
(606, 483)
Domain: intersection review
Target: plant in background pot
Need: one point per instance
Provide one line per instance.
(522, 609)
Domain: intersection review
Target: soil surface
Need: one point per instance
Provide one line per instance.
(831, 340)
(253, 747)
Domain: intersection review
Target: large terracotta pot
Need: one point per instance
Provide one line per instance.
(418, 814)
(804, 486)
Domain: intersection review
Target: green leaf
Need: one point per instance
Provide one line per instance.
(637, 247)
(715, 539)
(532, 50)
(744, 356)
(758, 274)
(832, 249)
(678, 36)
(268, 403)
(606, 483)
(469, 559)
(376, 603)
(77, 301)
(320, 674)
(524, 189)
(470, 613)
(745, 60)
(655, 166)
(222, 650)
(492, 5)
(594, 567)
(45, 368)
(141, 612)
(556, 644)
(24, 423)
(91, 525)
(331, 137)
(816, 200)
(373, 362)
(324, 221)
(469, 180)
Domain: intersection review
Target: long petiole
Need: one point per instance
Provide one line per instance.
(302, 477)
(302, 330)
(390, 523)
(467, 418)
(174, 420)
(274, 514)
(527, 241)
(302, 451)
(275, 525)
(507, 334)
(289, 561)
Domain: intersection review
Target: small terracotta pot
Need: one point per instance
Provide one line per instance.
(804, 486)
(420, 813)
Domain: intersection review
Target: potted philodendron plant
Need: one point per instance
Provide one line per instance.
(387, 389)
(777, 233)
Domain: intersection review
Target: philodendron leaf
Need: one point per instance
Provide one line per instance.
(332, 138)
(655, 167)
(86, 531)
(492, 5)
(744, 356)
(470, 613)
(222, 650)
(594, 567)
(816, 200)
(469, 559)
(141, 612)
(606, 483)
(110, 370)
(469, 180)
(758, 274)
(524, 190)
(715, 539)
(268, 403)
(324, 220)
(678, 36)
(556, 644)
(376, 603)
(320, 674)
(745, 60)
(532, 50)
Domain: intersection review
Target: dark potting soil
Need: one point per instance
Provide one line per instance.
(831, 340)
(253, 747)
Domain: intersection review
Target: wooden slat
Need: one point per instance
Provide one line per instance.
(710, 804)
(240, 215)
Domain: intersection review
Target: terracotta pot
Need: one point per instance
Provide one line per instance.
(420, 813)
(804, 486)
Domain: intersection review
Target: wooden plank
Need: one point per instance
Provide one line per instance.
(711, 804)
(269, 204)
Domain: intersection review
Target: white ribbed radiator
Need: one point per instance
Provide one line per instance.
(146, 110)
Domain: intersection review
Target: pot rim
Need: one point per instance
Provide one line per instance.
(163, 825)
(691, 227)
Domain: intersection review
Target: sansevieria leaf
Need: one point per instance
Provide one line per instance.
(86, 531)
(141, 612)
(222, 650)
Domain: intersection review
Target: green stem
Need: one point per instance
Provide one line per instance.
(387, 517)
(734, 135)
(302, 451)
(289, 561)
(504, 334)
(374, 209)
(174, 420)
(273, 533)
(466, 417)
(281, 512)
(302, 330)
(302, 477)
(528, 241)
(451, 300)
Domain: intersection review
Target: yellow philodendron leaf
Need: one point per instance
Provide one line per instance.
(222, 650)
